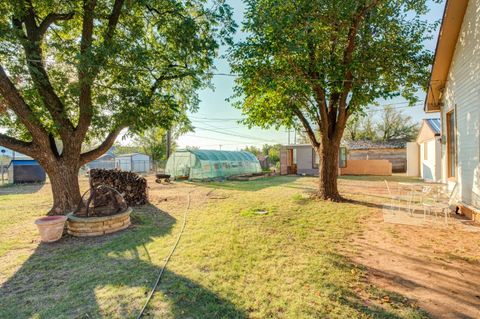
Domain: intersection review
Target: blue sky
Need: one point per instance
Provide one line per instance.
(215, 121)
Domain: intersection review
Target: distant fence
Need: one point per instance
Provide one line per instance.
(367, 167)
(398, 157)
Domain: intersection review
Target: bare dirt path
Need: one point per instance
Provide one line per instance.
(438, 268)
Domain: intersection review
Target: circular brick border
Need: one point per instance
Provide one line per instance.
(97, 226)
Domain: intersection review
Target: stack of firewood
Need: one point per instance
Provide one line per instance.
(130, 185)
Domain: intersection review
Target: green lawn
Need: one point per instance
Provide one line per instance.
(291, 262)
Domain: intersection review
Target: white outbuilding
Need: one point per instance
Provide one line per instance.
(430, 150)
(135, 162)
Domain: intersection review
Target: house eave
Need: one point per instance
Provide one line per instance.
(446, 43)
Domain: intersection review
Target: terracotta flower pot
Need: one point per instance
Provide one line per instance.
(51, 227)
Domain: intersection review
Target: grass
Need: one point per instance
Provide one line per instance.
(231, 262)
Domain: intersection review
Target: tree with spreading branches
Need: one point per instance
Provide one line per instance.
(77, 71)
(394, 124)
(311, 64)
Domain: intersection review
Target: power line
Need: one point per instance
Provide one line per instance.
(228, 128)
(374, 108)
(230, 142)
(215, 138)
(215, 119)
(235, 135)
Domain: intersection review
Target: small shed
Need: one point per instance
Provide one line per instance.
(106, 161)
(430, 150)
(301, 159)
(25, 171)
(211, 164)
(135, 162)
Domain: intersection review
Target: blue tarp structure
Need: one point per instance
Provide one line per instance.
(26, 171)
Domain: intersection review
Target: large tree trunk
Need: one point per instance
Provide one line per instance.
(328, 171)
(65, 188)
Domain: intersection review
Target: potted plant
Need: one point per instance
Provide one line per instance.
(51, 227)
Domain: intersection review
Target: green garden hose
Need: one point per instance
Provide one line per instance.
(157, 281)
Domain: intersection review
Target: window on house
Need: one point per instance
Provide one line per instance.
(451, 145)
(315, 159)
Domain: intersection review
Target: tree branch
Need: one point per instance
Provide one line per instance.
(308, 128)
(113, 20)
(18, 105)
(85, 102)
(102, 148)
(347, 60)
(52, 18)
(26, 148)
(84, 71)
(33, 52)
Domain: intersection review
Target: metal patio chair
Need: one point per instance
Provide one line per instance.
(440, 203)
(399, 198)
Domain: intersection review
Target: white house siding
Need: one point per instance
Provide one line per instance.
(462, 92)
(429, 170)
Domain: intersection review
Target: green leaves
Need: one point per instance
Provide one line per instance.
(312, 55)
(147, 75)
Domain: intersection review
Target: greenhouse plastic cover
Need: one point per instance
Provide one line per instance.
(210, 164)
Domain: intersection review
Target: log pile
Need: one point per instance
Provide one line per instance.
(130, 185)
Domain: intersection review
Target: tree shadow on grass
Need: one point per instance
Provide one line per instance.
(15, 189)
(101, 277)
(378, 178)
(368, 300)
(249, 186)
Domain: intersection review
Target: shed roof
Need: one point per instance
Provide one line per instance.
(435, 125)
(23, 162)
(429, 129)
(131, 154)
(366, 145)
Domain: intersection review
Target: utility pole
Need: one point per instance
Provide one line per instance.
(169, 143)
(288, 136)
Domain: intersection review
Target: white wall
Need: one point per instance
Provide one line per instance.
(429, 169)
(413, 159)
(462, 92)
(138, 163)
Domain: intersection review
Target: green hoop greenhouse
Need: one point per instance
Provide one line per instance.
(211, 164)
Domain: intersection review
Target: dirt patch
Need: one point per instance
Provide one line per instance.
(438, 268)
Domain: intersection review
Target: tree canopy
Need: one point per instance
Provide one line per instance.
(392, 124)
(314, 63)
(99, 66)
(82, 70)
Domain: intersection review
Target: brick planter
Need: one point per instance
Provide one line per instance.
(97, 226)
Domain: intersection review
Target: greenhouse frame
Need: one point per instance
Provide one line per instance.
(211, 164)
